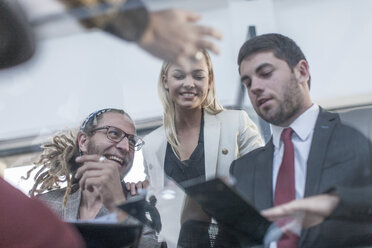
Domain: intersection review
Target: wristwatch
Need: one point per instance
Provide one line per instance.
(126, 19)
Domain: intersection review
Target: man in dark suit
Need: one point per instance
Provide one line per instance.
(310, 152)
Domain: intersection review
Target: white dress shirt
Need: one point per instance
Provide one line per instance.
(303, 130)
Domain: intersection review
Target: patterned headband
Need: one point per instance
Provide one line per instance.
(94, 116)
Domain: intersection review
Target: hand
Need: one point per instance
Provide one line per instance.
(173, 36)
(309, 211)
(134, 187)
(101, 176)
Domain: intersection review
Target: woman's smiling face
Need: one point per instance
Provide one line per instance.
(188, 89)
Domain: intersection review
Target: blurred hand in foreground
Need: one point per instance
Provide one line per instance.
(174, 36)
(309, 211)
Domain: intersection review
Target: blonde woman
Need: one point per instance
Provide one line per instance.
(198, 139)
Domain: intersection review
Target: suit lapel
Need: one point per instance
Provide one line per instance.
(263, 193)
(322, 133)
(211, 137)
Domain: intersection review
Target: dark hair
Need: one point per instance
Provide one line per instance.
(283, 48)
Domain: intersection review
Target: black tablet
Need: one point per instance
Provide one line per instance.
(98, 235)
(229, 208)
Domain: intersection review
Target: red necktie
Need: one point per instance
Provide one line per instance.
(285, 190)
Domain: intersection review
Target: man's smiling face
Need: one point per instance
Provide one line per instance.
(120, 152)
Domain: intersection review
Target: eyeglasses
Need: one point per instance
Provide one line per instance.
(116, 135)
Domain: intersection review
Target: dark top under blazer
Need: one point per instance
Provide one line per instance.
(339, 156)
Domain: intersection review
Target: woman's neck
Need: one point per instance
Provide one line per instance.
(188, 118)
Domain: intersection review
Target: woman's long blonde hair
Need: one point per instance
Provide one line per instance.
(210, 104)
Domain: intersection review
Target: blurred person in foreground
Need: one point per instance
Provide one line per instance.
(198, 139)
(311, 151)
(94, 165)
(19, 217)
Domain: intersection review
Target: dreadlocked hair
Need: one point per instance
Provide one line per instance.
(56, 162)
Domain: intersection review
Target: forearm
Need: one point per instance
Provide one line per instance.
(126, 19)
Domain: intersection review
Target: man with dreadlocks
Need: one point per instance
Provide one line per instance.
(93, 165)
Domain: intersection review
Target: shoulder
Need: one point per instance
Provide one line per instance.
(229, 117)
(52, 196)
(231, 113)
(349, 124)
(159, 132)
(53, 199)
(154, 140)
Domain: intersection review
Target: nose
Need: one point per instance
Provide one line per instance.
(189, 82)
(123, 144)
(256, 87)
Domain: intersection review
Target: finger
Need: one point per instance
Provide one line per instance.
(209, 31)
(273, 213)
(145, 184)
(133, 189)
(208, 45)
(139, 185)
(84, 179)
(88, 166)
(189, 16)
(127, 186)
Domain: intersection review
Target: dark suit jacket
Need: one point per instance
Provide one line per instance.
(339, 156)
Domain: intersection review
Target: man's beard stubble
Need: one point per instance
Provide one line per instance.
(290, 106)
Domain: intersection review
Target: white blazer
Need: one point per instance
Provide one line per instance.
(227, 136)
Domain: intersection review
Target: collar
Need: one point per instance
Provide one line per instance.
(302, 126)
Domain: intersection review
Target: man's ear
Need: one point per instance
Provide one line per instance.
(302, 71)
(83, 141)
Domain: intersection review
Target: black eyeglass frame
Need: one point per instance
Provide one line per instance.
(136, 143)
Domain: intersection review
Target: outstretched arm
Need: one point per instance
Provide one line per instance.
(171, 34)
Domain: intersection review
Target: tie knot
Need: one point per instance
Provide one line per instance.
(287, 134)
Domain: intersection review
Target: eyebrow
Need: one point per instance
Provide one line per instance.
(194, 71)
(178, 70)
(259, 68)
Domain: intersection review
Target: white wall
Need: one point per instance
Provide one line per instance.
(336, 37)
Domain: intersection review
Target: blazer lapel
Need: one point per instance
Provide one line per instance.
(322, 133)
(161, 150)
(212, 138)
(70, 212)
(263, 189)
